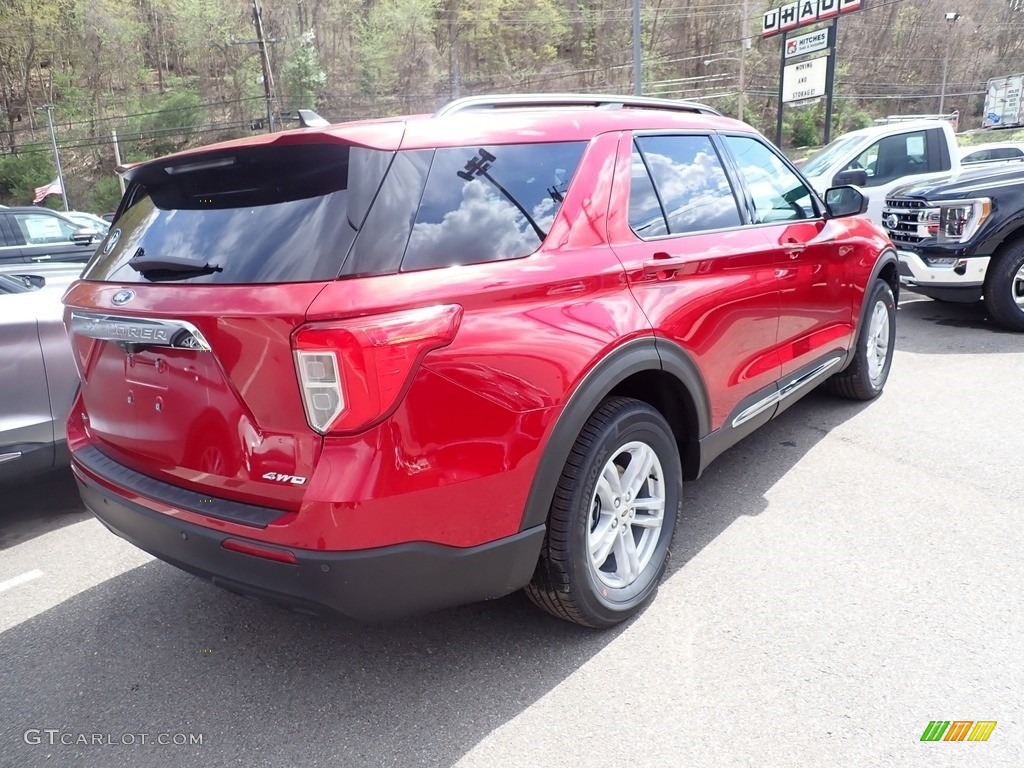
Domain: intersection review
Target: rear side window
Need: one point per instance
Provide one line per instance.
(646, 216)
(41, 229)
(1005, 153)
(464, 205)
(691, 185)
(255, 215)
(489, 203)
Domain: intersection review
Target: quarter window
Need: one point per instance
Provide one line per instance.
(690, 183)
(778, 193)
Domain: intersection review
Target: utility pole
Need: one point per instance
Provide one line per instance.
(637, 81)
(743, 52)
(454, 86)
(268, 76)
(56, 155)
(117, 159)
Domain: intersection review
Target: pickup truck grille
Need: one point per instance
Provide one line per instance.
(905, 220)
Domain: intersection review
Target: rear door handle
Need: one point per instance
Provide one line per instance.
(40, 258)
(663, 265)
(793, 248)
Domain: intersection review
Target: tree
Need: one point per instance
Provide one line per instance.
(303, 77)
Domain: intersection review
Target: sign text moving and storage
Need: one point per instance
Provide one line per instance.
(805, 80)
(800, 14)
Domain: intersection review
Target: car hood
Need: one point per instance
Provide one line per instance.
(963, 184)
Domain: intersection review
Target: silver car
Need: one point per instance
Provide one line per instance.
(37, 373)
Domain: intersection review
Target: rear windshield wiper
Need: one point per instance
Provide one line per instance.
(177, 265)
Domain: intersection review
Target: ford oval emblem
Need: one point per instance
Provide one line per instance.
(112, 241)
(892, 221)
(122, 297)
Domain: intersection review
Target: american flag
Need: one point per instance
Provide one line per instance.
(53, 188)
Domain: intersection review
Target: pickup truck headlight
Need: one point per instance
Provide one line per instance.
(959, 221)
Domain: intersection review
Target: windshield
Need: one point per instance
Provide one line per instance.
(821, 161)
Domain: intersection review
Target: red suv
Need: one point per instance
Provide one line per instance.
(390, 366)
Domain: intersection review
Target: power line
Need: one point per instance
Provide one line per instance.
(112, 118)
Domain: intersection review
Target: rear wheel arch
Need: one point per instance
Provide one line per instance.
(648, 369)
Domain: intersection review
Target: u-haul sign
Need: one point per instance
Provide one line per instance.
(804, 12)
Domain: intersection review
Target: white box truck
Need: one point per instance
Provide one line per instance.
(1003, 104)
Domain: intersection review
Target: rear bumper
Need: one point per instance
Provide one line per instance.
(367, 585)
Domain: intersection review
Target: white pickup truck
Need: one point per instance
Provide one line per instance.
(883, 157)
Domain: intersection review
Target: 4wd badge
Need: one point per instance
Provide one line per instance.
(277, 477)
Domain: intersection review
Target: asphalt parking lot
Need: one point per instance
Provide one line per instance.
(843, 577)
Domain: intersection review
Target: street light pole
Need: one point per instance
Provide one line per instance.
(56, 155)
(951, 18)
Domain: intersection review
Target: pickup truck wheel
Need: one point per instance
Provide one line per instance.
(1004, 287)
(865, 377)
(612, 517)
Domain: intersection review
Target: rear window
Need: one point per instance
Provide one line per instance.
(260, 215)
(314, 212)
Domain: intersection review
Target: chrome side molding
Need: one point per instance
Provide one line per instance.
(787, 390)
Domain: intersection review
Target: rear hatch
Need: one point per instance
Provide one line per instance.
(182, 325)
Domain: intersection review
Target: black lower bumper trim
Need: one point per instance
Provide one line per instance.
(957, 295)
(368, 585)
(98, 462)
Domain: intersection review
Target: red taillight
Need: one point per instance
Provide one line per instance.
(259, 550)
(353, 372)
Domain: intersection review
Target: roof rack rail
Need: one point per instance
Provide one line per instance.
(555, 100)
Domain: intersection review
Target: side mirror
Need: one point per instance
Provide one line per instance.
(84, 236)
(845, 201)
(858, 178)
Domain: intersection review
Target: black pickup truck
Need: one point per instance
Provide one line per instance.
(962, 239)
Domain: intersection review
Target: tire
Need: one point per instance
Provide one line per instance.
(590, 510)
(865, 377)
(1004, 287)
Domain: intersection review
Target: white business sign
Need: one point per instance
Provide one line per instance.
(800, 14)
(805, 80)
(809, 43)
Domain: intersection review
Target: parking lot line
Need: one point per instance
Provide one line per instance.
(17, 580)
